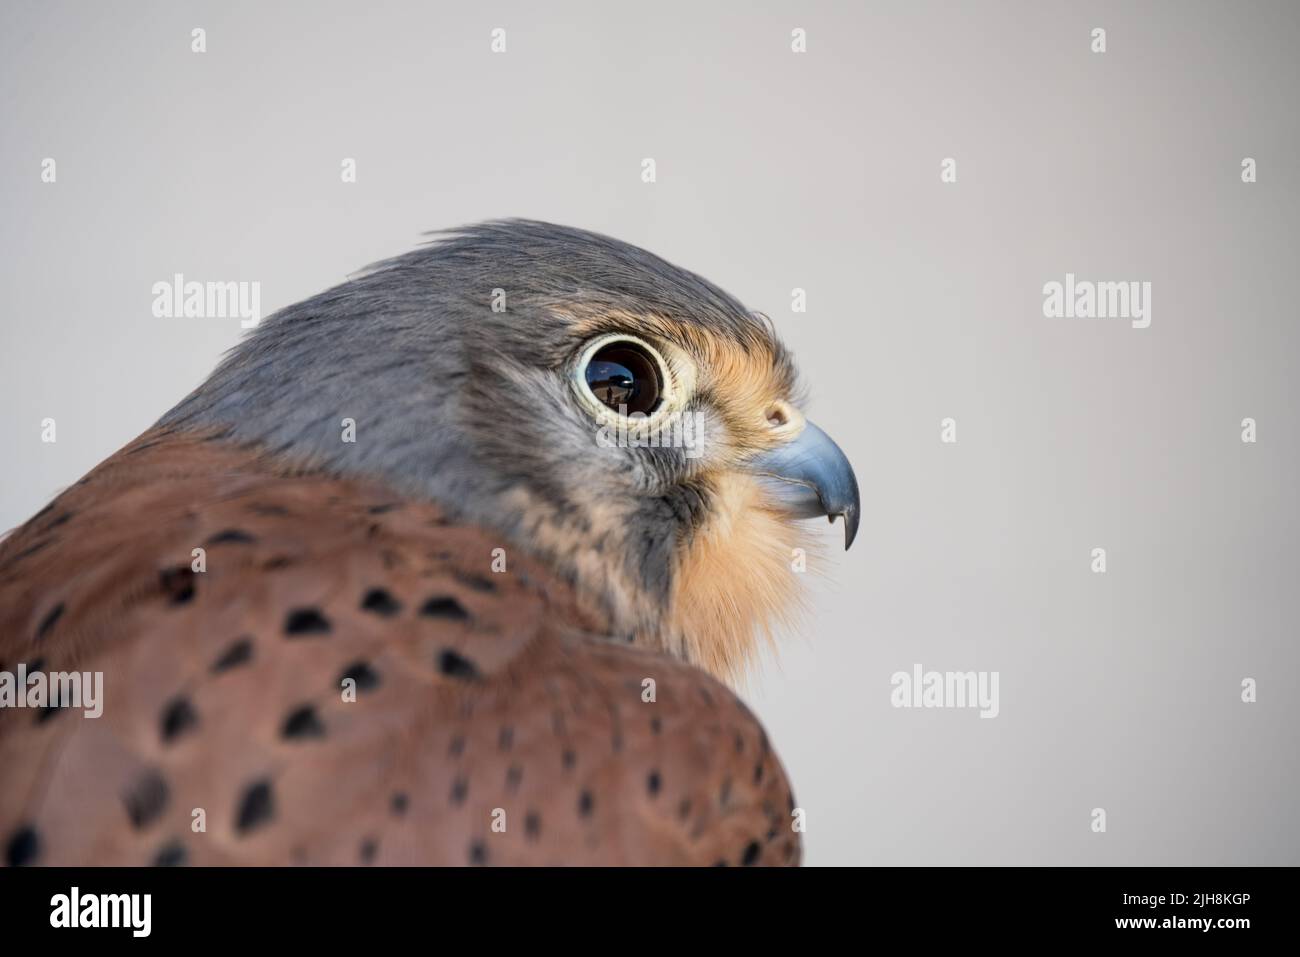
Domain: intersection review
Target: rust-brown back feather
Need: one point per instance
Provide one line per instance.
(223, 688)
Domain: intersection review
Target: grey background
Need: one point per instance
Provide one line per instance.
(779, 170)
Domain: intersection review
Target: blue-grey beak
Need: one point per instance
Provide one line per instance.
(811, 477)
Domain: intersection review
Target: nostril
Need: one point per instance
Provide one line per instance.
(778, 415)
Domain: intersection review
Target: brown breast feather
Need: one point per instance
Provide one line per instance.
(223, 689)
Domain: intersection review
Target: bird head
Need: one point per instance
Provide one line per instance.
(622, 419)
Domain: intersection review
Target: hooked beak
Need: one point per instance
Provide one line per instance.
(810, 477)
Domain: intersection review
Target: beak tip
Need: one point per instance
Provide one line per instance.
(850, 527)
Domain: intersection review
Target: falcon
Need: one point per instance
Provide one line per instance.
(451, 564)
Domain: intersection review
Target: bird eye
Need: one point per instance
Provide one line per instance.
(625, 377)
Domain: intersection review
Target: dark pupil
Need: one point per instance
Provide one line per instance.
(624, 376)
